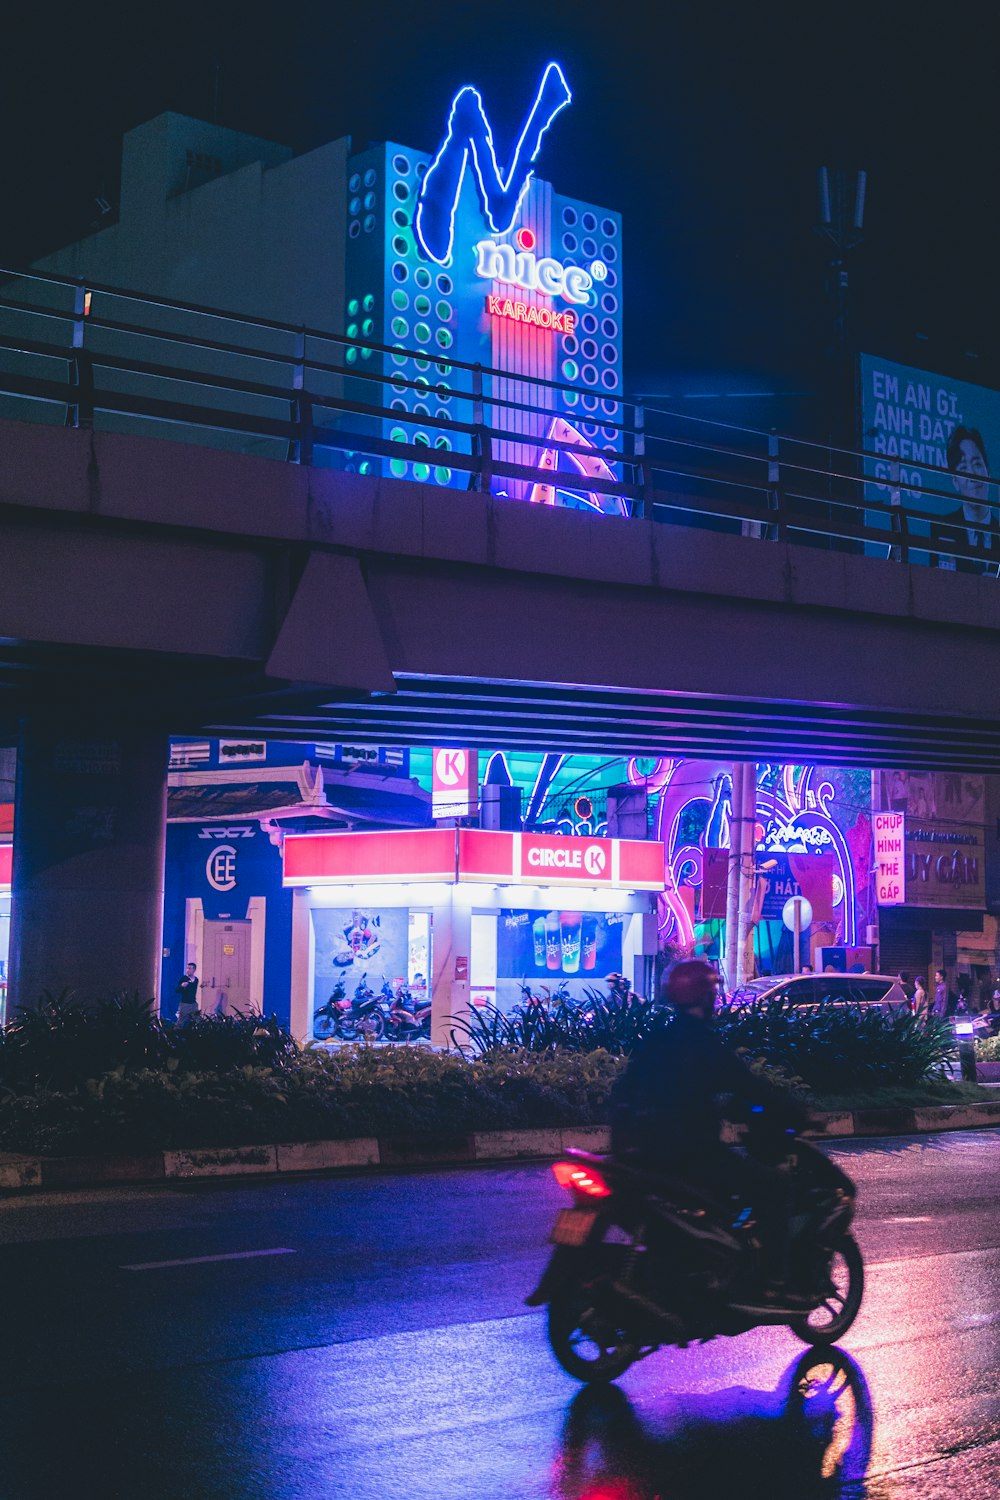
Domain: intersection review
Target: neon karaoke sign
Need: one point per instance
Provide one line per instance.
(523, 312)
(469, 137)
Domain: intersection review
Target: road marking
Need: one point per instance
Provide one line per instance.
(203, 1260)
(907, 1219)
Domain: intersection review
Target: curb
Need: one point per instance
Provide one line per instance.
(367, 1153)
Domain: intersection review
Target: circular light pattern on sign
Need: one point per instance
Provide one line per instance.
(525, 239)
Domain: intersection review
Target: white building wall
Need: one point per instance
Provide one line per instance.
(265, 236)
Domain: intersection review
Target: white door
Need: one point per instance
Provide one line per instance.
(225, 984)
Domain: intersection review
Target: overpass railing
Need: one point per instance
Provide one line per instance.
(78, 354)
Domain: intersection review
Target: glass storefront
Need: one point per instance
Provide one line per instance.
(381, 949)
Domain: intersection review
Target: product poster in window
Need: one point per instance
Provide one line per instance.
(561, 947)
(351, 942)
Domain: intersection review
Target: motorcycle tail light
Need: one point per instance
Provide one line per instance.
(577, 1179)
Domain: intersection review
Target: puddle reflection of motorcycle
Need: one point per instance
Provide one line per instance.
(350, 1020)
(810, 1439)
(405, 1019)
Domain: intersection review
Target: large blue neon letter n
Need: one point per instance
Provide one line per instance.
(469, 134)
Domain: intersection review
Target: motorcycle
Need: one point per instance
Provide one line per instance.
(641, 1260)
(327, 1017)
(347, 1020)
(405, 1020)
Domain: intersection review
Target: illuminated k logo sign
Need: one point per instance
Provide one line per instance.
(470, 134)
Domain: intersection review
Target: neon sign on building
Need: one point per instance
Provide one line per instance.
(469, 135)
(795, 815)
(522, 268)
(529, 314)
(424, 233)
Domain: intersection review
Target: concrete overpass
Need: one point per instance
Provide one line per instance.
(155, 587)
(202, 591)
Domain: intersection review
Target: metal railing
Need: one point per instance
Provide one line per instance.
(82, 355)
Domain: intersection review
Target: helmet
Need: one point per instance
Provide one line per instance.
(691, 984)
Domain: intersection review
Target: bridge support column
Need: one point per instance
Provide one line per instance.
(89, 842)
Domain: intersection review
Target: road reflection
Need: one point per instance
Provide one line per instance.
(809, 1439)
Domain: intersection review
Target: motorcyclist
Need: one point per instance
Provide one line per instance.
(667, 1113)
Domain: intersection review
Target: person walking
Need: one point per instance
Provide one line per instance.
(187, 988)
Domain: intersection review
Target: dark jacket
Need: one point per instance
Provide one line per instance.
(668, 1104)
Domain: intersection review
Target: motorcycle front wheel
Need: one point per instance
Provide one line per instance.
(829, 1321)
(585, 1341)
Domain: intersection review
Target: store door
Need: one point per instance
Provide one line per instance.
(225, 984)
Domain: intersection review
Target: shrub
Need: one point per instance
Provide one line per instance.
(319, 1096)
(62, 1043)
(988, 1049)
(836, 1049)
(613, 1023)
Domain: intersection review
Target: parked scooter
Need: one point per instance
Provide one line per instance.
(326, 1020)
(405, 1020)
(350, 1020)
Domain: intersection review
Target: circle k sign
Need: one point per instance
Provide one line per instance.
(450, 767)
(564, 859)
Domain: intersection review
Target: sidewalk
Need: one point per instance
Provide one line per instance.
(373, 1154)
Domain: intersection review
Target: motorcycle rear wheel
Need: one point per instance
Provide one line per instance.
(585, 1342)
(373, 1026)
(829, 1321)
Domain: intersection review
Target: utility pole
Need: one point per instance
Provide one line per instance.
(733, 876)
(741, 882)
(748, 824)
(842, 221)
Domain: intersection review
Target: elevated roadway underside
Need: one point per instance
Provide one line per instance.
(206, 592)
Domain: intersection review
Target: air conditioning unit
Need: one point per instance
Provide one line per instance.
(500, 807)
(627, 812)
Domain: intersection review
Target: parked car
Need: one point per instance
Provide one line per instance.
(815, 989)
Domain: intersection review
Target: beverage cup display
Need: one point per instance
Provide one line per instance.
(553, 952)
(538, 941)
(588, 941)
(569, 924)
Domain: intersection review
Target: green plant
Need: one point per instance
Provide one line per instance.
(62, 1042)
(837, 1048)
(988, 1049)
(613, 1023)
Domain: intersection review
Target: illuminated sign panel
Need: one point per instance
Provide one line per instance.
(454, 783)
(889, 831)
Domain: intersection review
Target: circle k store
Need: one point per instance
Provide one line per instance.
(465, 915)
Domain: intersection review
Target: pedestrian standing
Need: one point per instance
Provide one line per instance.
(919, 1003)
(993, 1011)
(940, 993)
(187, 988)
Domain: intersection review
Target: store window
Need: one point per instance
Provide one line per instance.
(358, 949)
(549, 949)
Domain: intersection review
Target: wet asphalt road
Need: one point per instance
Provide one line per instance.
(390, 1354)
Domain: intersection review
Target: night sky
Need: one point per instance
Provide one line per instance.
(703, 123)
